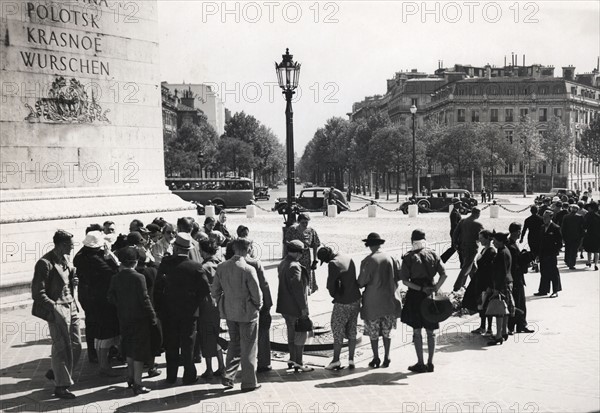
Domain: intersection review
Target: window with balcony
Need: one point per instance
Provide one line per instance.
(494, 115)
(543, 115)
(461, 115)
(523, 112)
(508, 134)
(558, 113)
(475, 115)
(508, 115)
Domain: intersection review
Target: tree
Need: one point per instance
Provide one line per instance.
(529, 146)
(457, 148)
(235, 155)
(556, 144)
(494, 150)
(192, 147)
(589, 143)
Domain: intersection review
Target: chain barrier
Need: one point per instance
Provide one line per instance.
(261, 208)
(515, 212)
(359, 209)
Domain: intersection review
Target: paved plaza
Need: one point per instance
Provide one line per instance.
(554, 369)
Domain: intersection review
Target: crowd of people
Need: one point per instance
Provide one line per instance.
(166, 287)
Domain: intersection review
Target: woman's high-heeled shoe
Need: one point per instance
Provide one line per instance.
(304, 369)
(375, 363)
(495, 341)
(291, 364)
(139, 389)
(386, 363)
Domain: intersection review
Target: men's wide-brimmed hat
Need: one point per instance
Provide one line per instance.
(324, 254)
(295, 246)
(373, 239)
(183, 241)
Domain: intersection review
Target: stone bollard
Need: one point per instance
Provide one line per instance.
(372, 211)
(209, 211)
(250, 211)
(413, 210)
(332, 211)
(494, 211)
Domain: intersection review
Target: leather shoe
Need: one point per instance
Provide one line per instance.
(418, 368)
(63, 393)
(540, 294)
(247, 389)
(525, 330)
(227, 383)
(264, 369)
(189, 381)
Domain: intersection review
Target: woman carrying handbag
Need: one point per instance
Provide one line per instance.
(501, 304)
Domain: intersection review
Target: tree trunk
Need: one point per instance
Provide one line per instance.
(397, 184)
(405, 182)
(482, 184)
(472, 180)
(551, 174)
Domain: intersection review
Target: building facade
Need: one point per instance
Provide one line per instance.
(468, 94)
(206, 100)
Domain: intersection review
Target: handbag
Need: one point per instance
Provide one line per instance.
(436, 308)
(303, 324)
(497, 307)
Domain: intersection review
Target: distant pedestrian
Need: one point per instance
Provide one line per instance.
(419, 267)
(550, 245)
(455, 218)
(292, 301)
(343, 288)
(483, 195)
(136, 316)
(378, 277)
(236, 284)
(52, 290)
(465, 239)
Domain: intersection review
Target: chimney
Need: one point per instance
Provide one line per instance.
(523, 60)
(488, 71)
(187, 98)
(504, 60)
(568, 72)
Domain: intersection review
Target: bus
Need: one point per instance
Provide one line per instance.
(222, 192)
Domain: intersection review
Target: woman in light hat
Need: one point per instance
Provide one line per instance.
(309, 237)
(377, 276)
(95, 273)
(502, 286)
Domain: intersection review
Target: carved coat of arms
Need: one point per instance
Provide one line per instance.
(67, 103)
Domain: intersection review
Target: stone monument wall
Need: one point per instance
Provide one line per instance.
(80, 122)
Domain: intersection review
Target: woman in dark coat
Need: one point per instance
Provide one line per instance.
(502, 286)
(129, 294)
(96, 273)
(591, 240)
(481, 282)
(207, 341)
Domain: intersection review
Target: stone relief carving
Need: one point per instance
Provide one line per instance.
(67, 102)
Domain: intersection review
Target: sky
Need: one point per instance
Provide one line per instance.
(349, 48)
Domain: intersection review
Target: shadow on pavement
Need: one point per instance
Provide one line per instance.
(43, 341)
(384, 379)
(460, 341)
(178, 401)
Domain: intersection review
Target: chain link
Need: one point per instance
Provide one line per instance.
(515, 212)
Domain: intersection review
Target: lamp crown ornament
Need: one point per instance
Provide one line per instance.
(288, 72)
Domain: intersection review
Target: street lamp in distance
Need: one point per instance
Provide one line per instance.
(288, 73)
(413, 111)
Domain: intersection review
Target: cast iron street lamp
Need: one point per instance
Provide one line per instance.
(288, 73)
(413, 111)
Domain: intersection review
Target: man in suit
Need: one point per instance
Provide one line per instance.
(572, 231)
(236, 285)
(550, 245)
(533, 224)
(465, 238)
(52, 288)
(519, 320)
(186, 225)
(183, 286)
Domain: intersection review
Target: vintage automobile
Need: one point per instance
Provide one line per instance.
(563, 193)
(261, 192)
(311, 199)
(440, 200)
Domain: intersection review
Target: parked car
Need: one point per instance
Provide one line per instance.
(311, 199)
(440, 200)
(563, 193)
(308, 185)
(261, 192)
